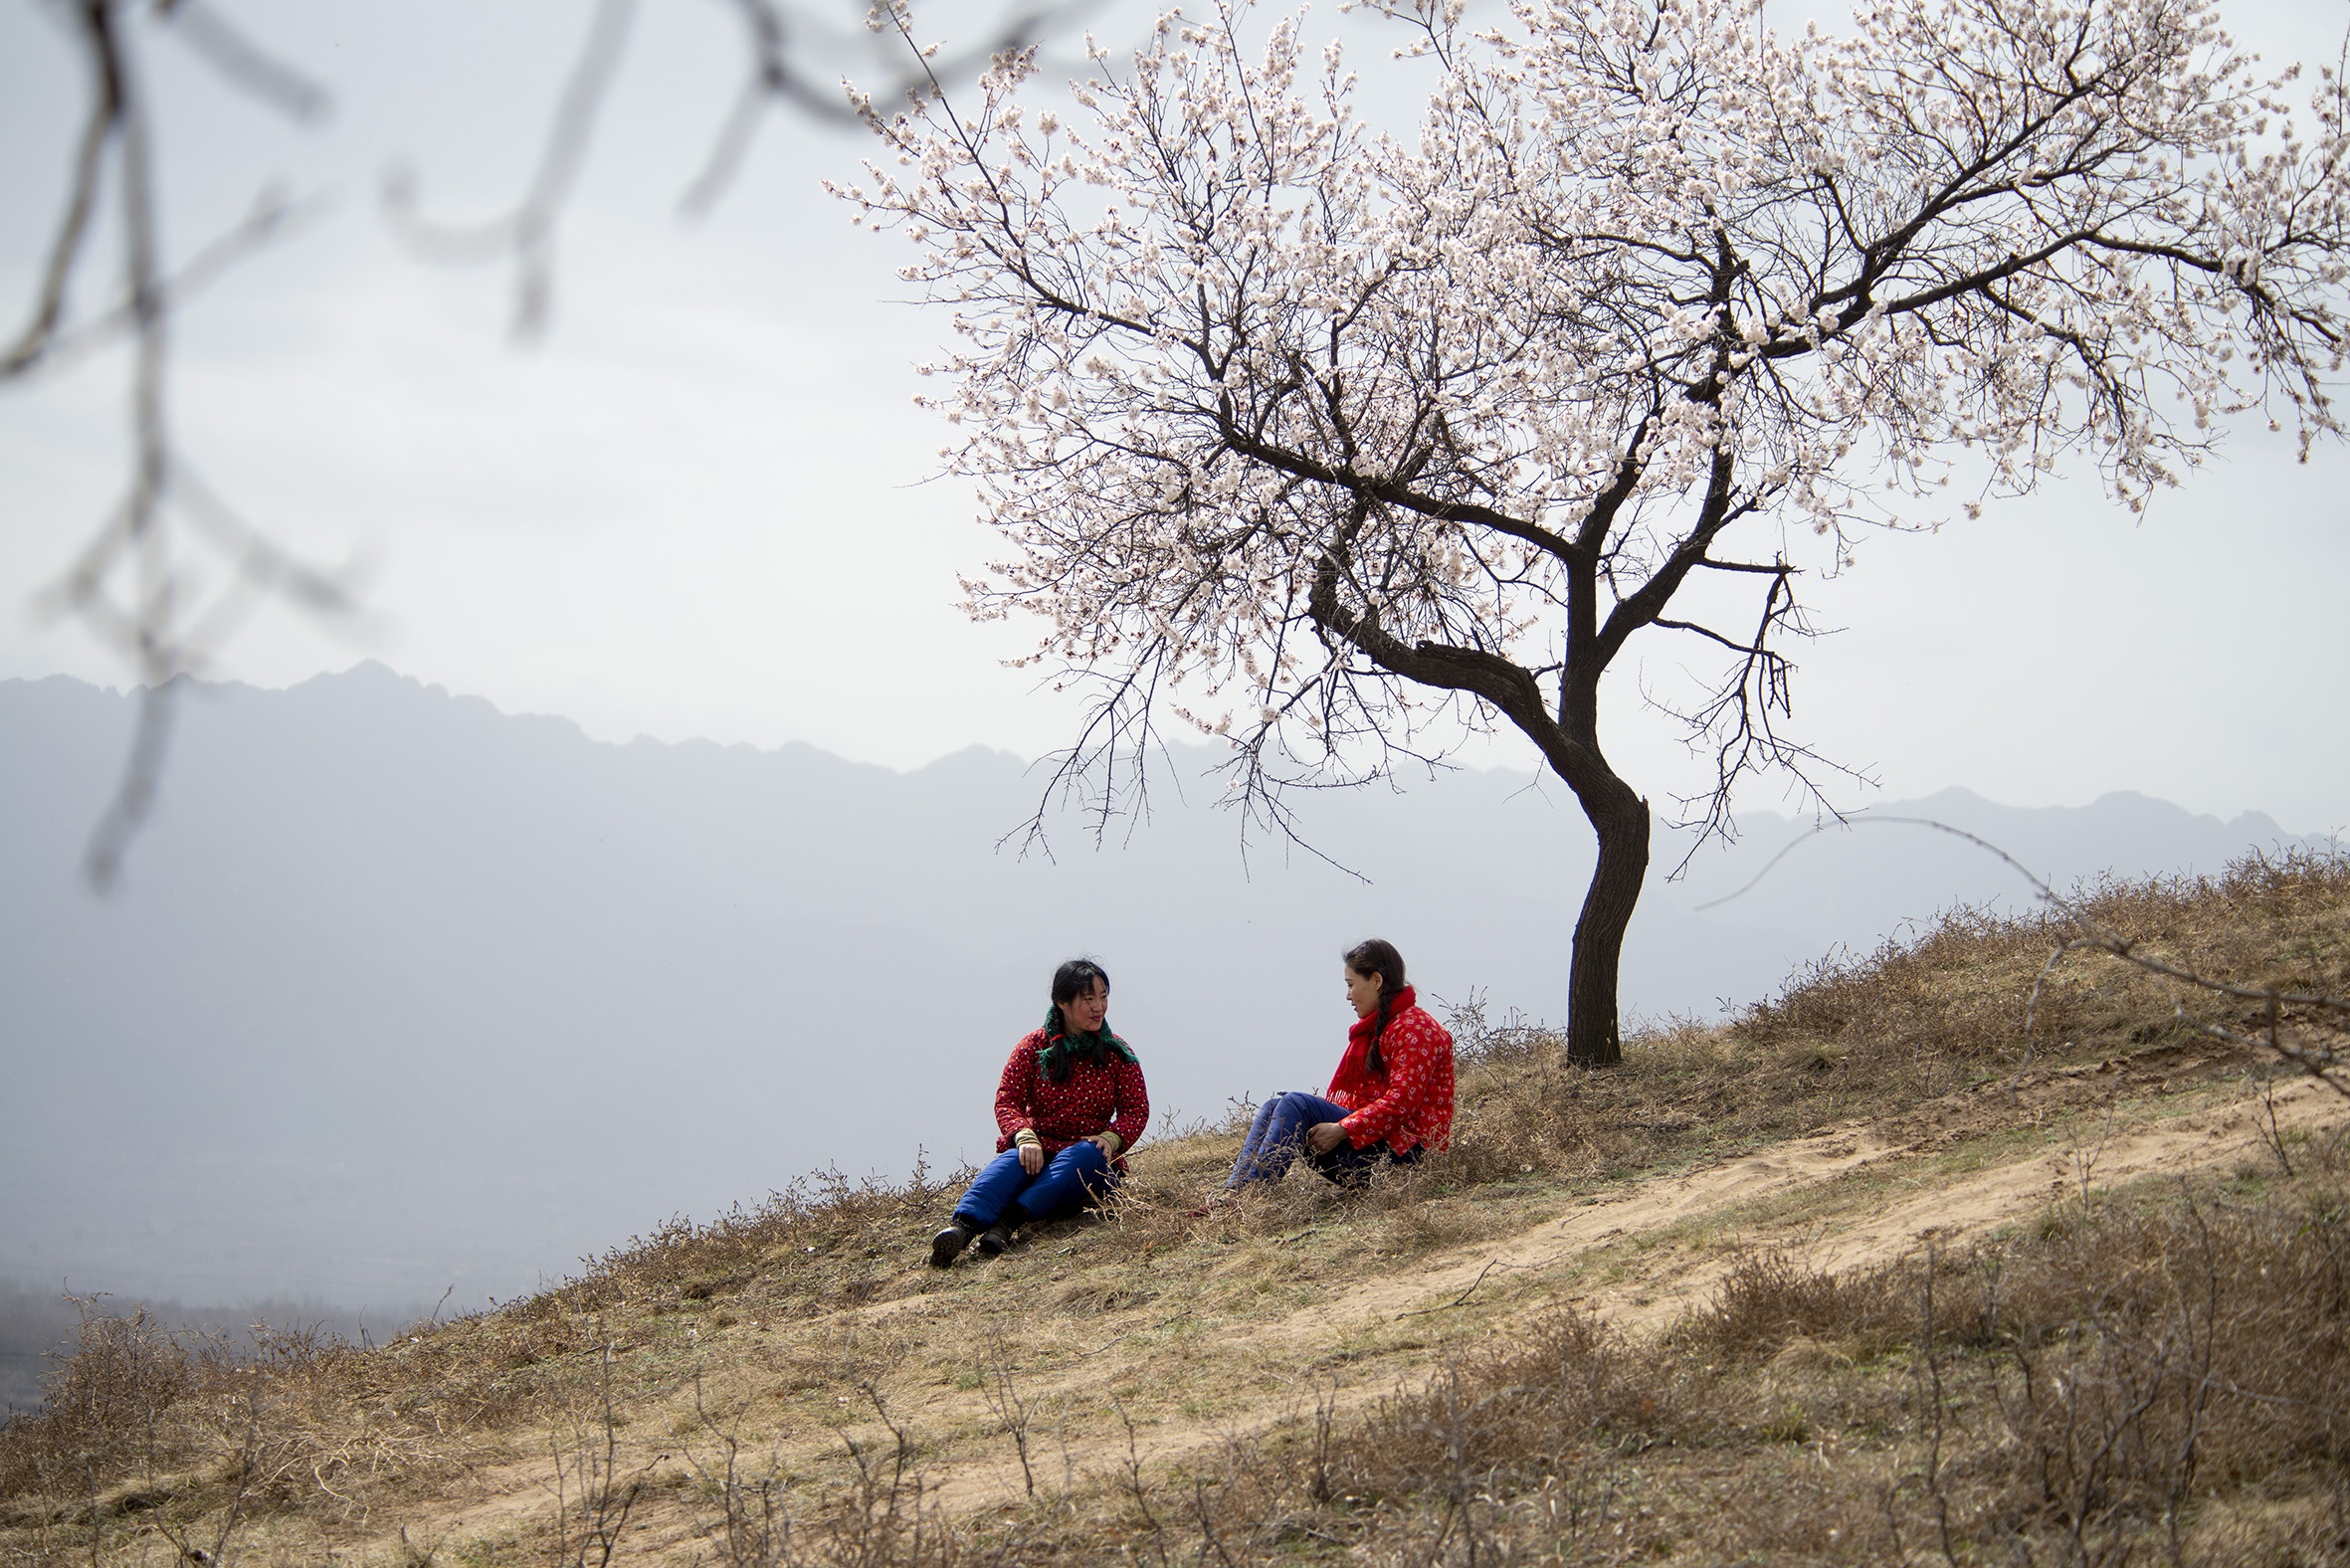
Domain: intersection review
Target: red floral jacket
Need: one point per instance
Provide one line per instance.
(1105, 1093)
(1409, 1104)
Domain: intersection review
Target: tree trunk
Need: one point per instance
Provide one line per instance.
(1621, 823)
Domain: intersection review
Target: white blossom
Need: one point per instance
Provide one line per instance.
(1266, 402)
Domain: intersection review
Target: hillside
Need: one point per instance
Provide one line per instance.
(419, 994)
(1858, 1276)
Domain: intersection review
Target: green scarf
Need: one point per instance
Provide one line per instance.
(1060, 1044)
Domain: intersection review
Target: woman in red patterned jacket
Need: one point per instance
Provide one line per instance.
(1390, 1100)
(1071, 1104)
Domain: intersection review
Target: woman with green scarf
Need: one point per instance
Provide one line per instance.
(1071, 1104)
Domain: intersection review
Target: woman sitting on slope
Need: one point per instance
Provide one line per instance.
(1390, 1100)
(1071, 1104)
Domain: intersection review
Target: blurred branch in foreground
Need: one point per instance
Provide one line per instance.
(173, 570)
(781, 46)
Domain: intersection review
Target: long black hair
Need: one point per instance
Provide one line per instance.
(1071, 981)
(1075, 978)
(1377, 958)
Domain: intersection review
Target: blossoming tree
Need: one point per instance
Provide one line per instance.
(1332, 441)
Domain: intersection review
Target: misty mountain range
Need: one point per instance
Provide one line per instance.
(401, 992)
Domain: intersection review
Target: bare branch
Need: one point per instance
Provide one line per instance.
(245, 65)
(528, 232)
(273, 217)
(64, 250)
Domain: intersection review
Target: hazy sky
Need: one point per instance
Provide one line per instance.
(699, 509)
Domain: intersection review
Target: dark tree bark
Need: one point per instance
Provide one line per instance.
(1568, 740)
(1593, 1036)
(1619, 818)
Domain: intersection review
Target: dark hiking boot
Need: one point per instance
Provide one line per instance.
(997, 1237)
(949, 1243)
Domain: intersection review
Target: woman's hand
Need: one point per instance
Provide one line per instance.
(1032, 1158)
(1324, 1136)
(1106, 1142)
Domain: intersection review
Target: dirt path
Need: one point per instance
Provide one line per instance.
(1537, 1265)
(1639, 1257)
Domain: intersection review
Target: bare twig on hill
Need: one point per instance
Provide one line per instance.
(1447, 1306)
(1933, 1360)
(1139, 1491)
(1207, 1536)
(605, 1506)
(2270, 1133)
(757, 1534)
(1003, 1398)
(1325, 1411)
(2085, 1166)
(884, 1518)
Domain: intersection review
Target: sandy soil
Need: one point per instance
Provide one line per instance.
(1639, 1255)
(1539, 1264)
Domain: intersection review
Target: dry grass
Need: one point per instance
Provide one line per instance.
(2158, 1374)
(1954, 1000)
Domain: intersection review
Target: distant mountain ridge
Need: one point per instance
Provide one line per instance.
(1878, 870)
(402, 990)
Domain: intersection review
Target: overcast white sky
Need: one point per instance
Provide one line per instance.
(699, 509)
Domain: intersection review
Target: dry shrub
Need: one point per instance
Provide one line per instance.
(109, 1411)
(144, 1425)
(2089, 1382)
(885, 1516)
(1770, 1298)
(1523, 1407)
(2131, 1374)
(1957, 995)
(814, 1239)
(2139, 1352)
(139, 1416)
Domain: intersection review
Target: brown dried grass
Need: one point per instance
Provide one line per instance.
(2159, 1375)
(1957, 995)
(2044, 1405)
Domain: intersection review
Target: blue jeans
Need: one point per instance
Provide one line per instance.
(1069, 1177)
(1277, 1135)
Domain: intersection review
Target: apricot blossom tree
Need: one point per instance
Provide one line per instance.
(1333, 442)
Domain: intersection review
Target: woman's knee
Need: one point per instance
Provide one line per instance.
(998, 1183)
(1299, 1111)
(1082, 1166)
